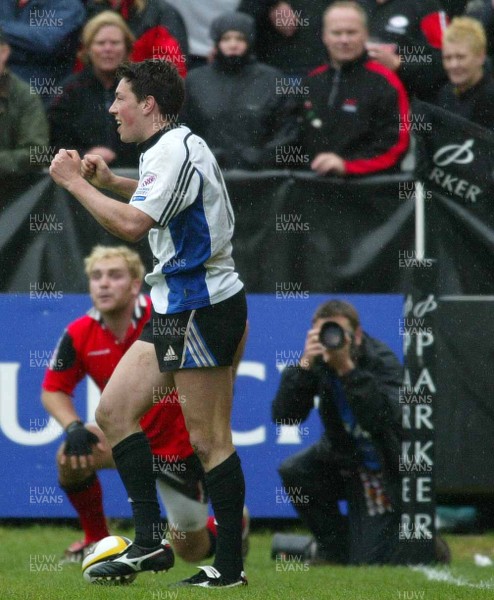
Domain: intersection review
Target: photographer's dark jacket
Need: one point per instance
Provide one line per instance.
(359, 112)
(372, 391)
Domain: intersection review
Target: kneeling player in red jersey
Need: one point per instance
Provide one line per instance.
(93, 345)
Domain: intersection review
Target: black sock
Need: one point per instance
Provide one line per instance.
(226, 488)
(212, 544)
(134, 462)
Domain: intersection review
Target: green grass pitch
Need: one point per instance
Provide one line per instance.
(29, 570)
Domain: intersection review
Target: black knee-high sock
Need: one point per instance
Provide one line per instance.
(134, 462)
(226, 488)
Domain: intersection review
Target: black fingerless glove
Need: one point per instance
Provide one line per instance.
(79, 440)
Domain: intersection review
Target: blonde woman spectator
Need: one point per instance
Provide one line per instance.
(157, 26)
(470, 90)
(79, 116)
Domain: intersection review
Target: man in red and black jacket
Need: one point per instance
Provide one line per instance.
(355, 109)
(407, 38)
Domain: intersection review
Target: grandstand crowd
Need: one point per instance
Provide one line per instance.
(309, 84)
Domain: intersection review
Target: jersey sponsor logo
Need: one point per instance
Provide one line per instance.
(398, 24)
(99, 352)
(145, 185)
(149, 179)
(170, 354)
(350, 105)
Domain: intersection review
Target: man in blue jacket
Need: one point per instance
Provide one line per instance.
(44, 36)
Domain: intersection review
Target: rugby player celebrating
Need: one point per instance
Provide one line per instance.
(181, 201)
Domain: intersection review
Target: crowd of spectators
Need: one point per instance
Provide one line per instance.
(264, 78)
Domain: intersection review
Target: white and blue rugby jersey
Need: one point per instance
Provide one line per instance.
(181, 187)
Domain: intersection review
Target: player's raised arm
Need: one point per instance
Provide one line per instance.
(120, 219)
(95, 170)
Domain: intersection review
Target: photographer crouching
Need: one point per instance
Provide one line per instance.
(357, 380)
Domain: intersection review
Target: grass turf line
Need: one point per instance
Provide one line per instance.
(29, 570)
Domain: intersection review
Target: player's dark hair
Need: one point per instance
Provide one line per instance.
(157, 78)
(337, 308)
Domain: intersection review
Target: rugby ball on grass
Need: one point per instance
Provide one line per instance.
(105, 549)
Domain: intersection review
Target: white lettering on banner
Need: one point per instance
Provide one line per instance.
(419, 452)
(289, 434)
(424, 306)
(424, 379)
(405, 490)
(424, 339)
(9, 421)
(423, 336)
(456, 186)
(460, 154)
(416, 457)
(419, 529)
(424, 489)
(408, 305)
(255, 436)
(417, 310)
(420, 413)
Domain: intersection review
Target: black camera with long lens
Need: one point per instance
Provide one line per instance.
(332, 335)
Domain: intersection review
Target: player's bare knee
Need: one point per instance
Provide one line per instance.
(208, 448)
(202, 447)
(191, 546)
(183, 550)
(103, 415)
(187, 552)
